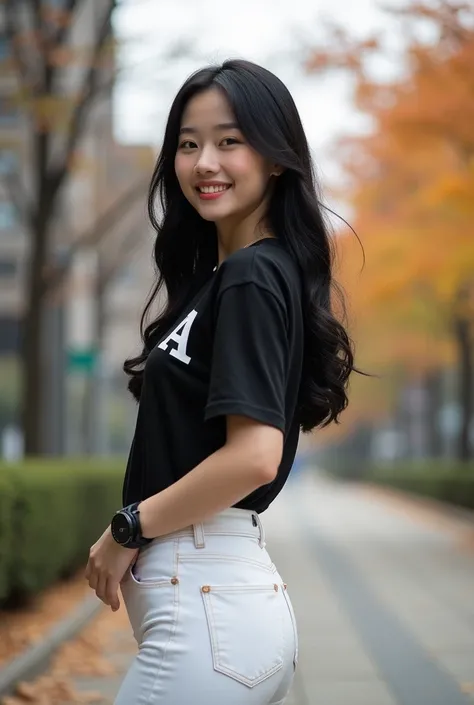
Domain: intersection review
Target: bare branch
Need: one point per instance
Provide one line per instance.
(36, 11)
(94, 235)
(126, 249)
(12, 33)
(62, 32)
(87, 93)
(108, 219)
(448, 16)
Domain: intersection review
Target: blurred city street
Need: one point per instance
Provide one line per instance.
(382, 591)
(377, 550)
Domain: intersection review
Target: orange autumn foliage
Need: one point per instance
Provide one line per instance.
(411, 187)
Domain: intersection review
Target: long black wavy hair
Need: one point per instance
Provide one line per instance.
(185, 250)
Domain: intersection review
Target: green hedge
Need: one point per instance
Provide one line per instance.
(7, 530)
(449, 482)
(51, 512)
(445, 480)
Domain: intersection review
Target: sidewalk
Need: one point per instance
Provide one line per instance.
(384, 601)
(386, 608)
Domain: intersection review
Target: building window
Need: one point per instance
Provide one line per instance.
(8, 267)
(8, 215)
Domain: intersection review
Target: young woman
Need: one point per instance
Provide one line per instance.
(245, 354)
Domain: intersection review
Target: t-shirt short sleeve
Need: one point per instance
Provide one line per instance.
(250, 357)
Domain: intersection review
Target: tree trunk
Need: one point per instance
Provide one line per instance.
(434, 404)
(32, 359)
(33, 319)
(466, 383)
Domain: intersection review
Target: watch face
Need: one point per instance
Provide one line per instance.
(121, 528)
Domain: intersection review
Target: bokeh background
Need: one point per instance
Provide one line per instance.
(386, 95)
(387, 100)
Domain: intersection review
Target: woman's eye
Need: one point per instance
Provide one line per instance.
(230, 141)
(187, 144)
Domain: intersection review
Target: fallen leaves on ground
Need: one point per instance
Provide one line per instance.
(85, 655)
(48, 690)
(24, 627)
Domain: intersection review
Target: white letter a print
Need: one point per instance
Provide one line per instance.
(180, 336)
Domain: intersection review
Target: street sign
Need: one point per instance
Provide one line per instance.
(82, 360)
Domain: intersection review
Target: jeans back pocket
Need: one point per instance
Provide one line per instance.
(246, 630)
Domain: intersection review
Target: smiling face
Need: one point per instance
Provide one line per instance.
(222, 177)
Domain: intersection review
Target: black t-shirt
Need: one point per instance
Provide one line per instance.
(237, 348)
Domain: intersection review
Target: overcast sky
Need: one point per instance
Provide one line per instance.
(270, 32)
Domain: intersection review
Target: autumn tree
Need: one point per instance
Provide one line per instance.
(60, 56)
(411, 181)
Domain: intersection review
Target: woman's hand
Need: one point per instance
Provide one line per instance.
(108, 562)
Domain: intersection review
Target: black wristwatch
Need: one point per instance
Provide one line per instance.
(126, 529)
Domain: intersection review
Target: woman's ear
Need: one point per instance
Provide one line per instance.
(277, 170)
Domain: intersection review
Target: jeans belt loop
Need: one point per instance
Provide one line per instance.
(199, 541)
(261, 540)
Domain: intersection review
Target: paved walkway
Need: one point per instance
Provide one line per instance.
(384, 599)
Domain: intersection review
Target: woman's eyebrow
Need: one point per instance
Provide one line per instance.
(221, 126)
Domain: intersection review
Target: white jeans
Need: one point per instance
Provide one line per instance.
(212, 618)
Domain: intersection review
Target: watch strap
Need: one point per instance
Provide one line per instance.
(136, 539)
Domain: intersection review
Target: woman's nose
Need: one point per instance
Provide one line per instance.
(207, 163)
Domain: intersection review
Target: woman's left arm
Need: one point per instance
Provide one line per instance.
(249, 459)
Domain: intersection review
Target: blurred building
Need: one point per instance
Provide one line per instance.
(107, 287)
(111, 279)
